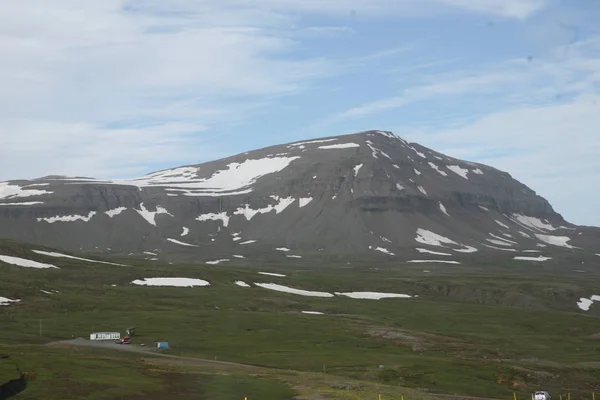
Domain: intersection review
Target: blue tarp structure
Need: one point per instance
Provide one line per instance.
(162, 345)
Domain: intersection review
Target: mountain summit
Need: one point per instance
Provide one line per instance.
(366, 193)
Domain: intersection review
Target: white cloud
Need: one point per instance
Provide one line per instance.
(112, 87)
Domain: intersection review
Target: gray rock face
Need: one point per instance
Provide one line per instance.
(365, 193)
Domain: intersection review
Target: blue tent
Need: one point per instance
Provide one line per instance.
(162, 345)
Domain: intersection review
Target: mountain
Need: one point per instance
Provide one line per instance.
(366, 194)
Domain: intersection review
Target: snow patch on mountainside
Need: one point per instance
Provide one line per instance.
(462, 172)
(532, 223)
(23, 203)
(434, 166)
(382, 250)
(150, 216)
(356, 169)
(9, 191)
(235, 179)
(115, 211)
(282, 204)
(215, 217)
(432, 252)
(434, 261)
(185, 231)
(181, 243)
(339, 146)
(443, 208)
(433, 239)
(303, 201)
(560, 241)
(68, 218)
(539, 258)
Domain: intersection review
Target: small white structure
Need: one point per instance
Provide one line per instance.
(105, 336)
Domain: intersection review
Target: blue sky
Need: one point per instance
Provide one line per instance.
(121, 88)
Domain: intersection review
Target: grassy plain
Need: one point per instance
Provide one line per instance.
(468, 333)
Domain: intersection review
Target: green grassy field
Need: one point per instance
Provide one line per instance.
(467, 333)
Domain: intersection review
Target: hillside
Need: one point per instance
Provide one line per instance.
(369, 194)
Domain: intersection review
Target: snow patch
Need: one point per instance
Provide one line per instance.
(174, 282)
(417, 151)
(311, 142)
(434, 261)
(181, 243)
(560, 241)
(68, 218)
(433, 239)
(249, 242)
(293, 256)
(356, 169)
(282, 249)
(302, 201)
(5, 301)
(272, 274)
(585, 303)
(242, 284)
(22, 262)
(533, 223)
(422, 190)
(312, 312)
(115, 211)
(417, 171)
(382, 250)
(286, 289)
(432, 252)
(222, 216)
(340, 146)
(432, 165)
(24, 203)
(539, 258)
(484, 208)
(373, 295)
(215, 262)
(8, 191)
(185, 231)
(150, 216)
(459, 171)
(59, 255)
(497, 248)
(443, 208)
(249, 213)
(399, 186)
(502, 224)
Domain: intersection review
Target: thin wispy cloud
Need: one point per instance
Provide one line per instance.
(123, 87)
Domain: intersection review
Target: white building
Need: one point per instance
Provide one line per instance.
(105, 336)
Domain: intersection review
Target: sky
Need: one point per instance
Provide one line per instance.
(121, 88)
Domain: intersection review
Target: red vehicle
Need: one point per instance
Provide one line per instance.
(125, 340)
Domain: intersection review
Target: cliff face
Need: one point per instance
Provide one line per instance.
(370, 192)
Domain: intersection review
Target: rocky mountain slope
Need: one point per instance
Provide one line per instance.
(369, 193)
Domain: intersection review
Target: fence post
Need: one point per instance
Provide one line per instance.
(593, 395)
(514, 395)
